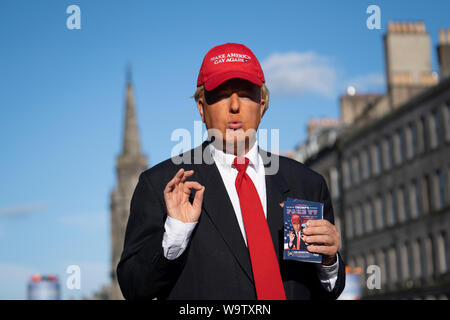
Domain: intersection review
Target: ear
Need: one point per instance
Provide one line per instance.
(200, 104)
(262, 106)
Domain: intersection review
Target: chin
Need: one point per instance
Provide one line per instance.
(237, 142)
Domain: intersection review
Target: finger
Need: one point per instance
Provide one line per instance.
(186, 175)
(318, 223)
(189, 185)
(325, 250)
(317, 230)
(322, 239)
(178, 176)
(198, 199)
(171, 184)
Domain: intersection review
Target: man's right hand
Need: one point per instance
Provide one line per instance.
(176, 196)
(291, 238)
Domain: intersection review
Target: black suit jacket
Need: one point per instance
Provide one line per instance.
(216, 263)
(294, 244)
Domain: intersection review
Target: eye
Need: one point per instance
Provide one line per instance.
(245, 95)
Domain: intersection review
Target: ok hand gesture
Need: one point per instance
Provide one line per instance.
(176, 196)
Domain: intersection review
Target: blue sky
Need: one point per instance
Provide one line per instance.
(62, 102)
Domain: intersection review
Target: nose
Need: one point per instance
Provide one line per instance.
(235, 103)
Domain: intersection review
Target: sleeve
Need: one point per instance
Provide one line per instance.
(328, 275)
(331, 278)
(176, 237)
(143, 271)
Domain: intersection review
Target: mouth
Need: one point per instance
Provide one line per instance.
(234, 125)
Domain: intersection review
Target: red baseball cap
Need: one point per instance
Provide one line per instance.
(228, 61)
(295, 218)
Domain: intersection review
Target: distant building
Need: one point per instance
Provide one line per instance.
(130, 163)
(387, 164)
(43, 288)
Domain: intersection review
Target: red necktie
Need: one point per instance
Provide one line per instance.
(298, 240)
(266, 271)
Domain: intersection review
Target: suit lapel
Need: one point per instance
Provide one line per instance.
(276, 190)
(218, 206)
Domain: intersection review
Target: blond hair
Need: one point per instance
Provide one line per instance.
(200, 93)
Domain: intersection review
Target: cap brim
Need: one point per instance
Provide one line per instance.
(215, 81)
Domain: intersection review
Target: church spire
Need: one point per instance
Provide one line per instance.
(131, 143)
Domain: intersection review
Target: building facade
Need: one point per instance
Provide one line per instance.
(388, 170)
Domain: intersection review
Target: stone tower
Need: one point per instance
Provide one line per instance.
(130, 163)
(408, 61)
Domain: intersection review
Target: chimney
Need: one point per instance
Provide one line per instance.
(408, 61)
(444, 53)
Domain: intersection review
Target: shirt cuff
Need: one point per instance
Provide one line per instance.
(328, 274)
(176, 237)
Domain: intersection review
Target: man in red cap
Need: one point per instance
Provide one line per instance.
(295, 237)
(213, 229)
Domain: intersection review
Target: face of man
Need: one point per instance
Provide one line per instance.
(296, 226)
(234, 109)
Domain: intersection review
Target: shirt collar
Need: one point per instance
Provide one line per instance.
(225, 160)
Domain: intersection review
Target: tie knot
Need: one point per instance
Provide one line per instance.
(241, 164)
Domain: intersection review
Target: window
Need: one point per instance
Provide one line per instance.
(441, 250)
(379, 216)
(349, 224)
(448, 184)
(334, 177)
(368, 216)
(423, 136)
(447, 111)
(426, 194)
(414, 141)
(393, 271)
(370, 258)
(435, 122)
(402, 149)
(390, 206)
(365, 157)
(408, 136)
(401, 204)
(417, 259)
(347, 174)
(388, 153)
(358, 220)
(429, 256)
(439, 192)
(356, 169)
(414, 195)
(399, 145)
(360, 262)
(381, 261)
(376, 158)
(404, 261)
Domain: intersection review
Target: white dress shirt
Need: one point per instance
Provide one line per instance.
(177, 234)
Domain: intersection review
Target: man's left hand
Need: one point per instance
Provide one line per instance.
(324, 238)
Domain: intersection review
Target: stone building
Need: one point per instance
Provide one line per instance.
(387, 164)
(130, 163)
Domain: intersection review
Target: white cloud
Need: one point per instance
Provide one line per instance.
(23, 209)
(297, 73)
(367, 82)
(86, 222)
